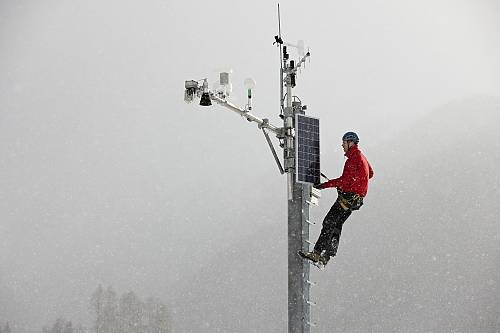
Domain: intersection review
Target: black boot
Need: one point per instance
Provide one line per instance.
(324, 259)
(312, 256)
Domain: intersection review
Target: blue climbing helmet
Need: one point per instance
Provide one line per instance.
(351, 136)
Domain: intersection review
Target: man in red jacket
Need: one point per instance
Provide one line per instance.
(352, 187)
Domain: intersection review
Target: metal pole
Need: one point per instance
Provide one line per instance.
(298, 269)
(298, 231)
(298, 194)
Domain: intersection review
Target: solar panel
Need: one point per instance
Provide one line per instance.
(307, 164)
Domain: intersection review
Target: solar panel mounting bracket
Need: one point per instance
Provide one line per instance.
(271, 146)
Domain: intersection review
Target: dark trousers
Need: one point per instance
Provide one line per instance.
(332, 227)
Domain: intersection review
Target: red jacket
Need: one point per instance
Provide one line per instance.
(356, 173)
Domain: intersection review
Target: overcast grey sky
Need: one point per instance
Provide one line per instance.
(107, 176)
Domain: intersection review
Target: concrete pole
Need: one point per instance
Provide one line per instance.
(298, 269)
(298, 232)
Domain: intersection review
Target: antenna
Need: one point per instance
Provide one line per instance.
(279, 41)
(279, 20)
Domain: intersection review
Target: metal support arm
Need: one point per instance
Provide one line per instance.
(270, 143)
(246, 114)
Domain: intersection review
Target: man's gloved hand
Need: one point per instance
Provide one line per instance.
(319, 186)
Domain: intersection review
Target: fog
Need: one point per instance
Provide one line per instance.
(108, 178)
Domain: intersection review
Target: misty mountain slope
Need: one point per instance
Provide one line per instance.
(429, 257)
(422, 255)
(453, 174)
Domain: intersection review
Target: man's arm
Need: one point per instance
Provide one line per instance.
(331, 183)
(338, 182)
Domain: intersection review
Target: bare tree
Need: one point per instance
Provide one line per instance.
(157, 316)
(97, 305)
(128, 315)
(131, 313)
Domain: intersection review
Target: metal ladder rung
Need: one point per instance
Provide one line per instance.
(311, 283)
(309, 242)
(311, 303)
(311, 223)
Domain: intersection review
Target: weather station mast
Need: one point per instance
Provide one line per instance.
(299, 139)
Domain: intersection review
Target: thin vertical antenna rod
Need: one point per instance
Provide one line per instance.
(279, 20)
(281, 63)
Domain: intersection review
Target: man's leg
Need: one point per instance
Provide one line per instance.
(331, 230)
(335, 240)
